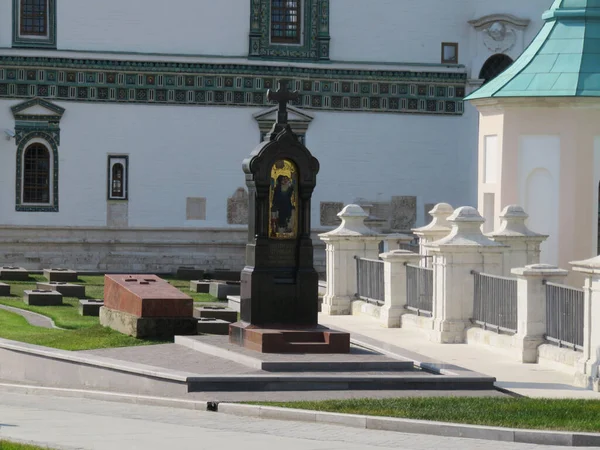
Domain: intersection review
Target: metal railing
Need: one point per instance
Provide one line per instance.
(419, 289)
(564, 316)
(495, 302)
(369, 280)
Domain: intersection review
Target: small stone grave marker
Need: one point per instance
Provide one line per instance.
(12, 273)
(43, 297)
(64, 275)
(66, 289)
(90, 307)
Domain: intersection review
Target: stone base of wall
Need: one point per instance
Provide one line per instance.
(413, 321)
(362, 308)
(556, 358)
(503, 343)
(141, 250)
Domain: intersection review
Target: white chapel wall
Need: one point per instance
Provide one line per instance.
(539, 187)
(413, 31)
(176, 152)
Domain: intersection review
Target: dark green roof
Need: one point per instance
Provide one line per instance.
(562, 61)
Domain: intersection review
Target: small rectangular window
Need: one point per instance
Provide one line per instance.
(285, 21)
(449, 53)
(118, 177)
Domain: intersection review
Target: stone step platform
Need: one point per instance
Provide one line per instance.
(233, 302)
(216, 312)
(11, 273)
(358, 360)
(66, 289)
(211, 325)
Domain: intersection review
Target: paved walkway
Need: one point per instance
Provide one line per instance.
(531, 380)
(61, 423)
(35, 319)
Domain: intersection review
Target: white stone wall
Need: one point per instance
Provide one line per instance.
(413, 31)
(176, 152)
(361, 30)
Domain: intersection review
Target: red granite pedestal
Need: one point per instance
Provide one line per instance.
(145, 306)
(289, 340)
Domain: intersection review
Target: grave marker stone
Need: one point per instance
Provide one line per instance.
(59, 274)
(237, 208)
(42, 297)
(66, 289)
(146, 306)
(279, 291)
(403, 213)
(329, 213)
(12, 273)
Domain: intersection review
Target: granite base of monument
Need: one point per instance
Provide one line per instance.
(315, 340)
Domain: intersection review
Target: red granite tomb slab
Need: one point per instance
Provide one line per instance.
(145, 296)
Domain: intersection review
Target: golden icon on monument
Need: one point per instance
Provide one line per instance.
(283, 223)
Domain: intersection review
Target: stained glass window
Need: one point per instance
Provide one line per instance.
(34, 17)
(285, 21)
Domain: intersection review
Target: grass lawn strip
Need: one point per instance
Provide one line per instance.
(526, 413)
(6, 445)
(80, 333)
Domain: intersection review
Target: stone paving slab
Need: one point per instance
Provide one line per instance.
(359, 358)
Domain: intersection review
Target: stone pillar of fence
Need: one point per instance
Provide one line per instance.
(394, 274)
(351, 239)
(455, 257)
(397, 241)
(531, 307)
(523, 244)
(437, 229)
(587, 373)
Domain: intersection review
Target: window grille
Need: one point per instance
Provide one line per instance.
(285, 21)
(36, 174)
(34, 17)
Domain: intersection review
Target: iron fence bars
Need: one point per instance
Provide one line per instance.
(495, 302)
(564, 316)
(419, 289)
(370, 281)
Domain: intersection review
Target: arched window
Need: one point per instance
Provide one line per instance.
(36, 174)
(494, 66)
(285, 21)
(117, 180)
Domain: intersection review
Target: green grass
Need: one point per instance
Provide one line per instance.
(80, 333)
(528, 413)
(6, 445)
(16, 328)
(184, 285)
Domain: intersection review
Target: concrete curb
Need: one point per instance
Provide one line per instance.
(146, 400)
(515, 435)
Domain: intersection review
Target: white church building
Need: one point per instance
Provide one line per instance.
(124, 123)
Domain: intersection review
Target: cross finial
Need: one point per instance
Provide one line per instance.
(282, 96)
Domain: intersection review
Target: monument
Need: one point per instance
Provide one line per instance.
(279, 285)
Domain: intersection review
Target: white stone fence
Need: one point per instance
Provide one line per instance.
(462, 279)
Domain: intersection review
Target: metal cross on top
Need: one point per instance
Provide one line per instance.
(282, 96)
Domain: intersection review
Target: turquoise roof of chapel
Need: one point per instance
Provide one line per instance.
(562, 61)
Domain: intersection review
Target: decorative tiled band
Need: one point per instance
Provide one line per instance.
(230, 84)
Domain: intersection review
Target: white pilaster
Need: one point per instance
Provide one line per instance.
(394, 273)
(437, 229)
(351, 239)
(531, 307)
(587, 372)
(523, 244)
(464, 250)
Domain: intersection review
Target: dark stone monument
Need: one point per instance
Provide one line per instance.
(279, 285)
